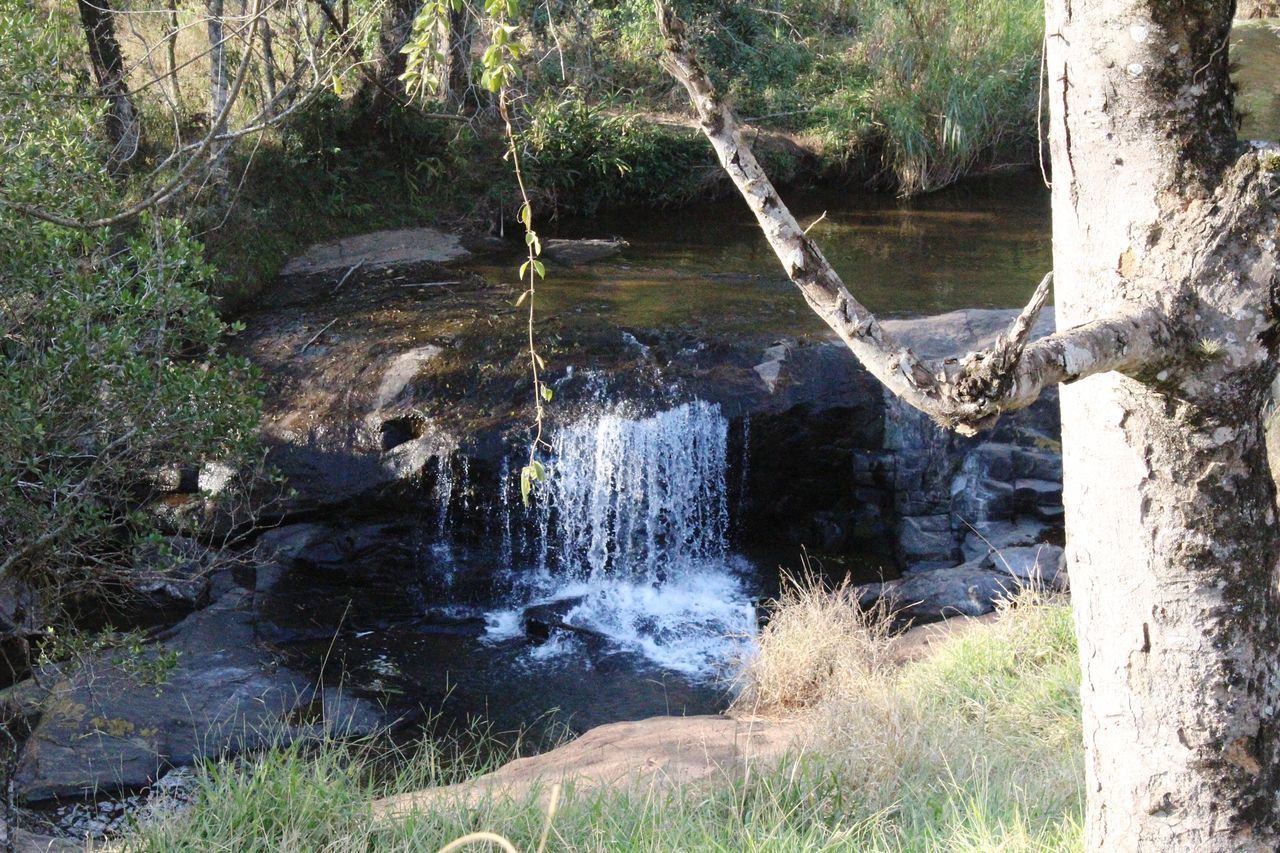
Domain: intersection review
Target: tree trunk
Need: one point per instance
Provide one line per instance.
(1172, 541)
(384, 77)
(171, 54)
(108, 69)
(217, 89)
(268, 66)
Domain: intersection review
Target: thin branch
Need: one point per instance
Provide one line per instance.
(965, 394)
(180, 180)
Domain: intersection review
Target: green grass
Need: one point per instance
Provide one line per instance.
(974, 749)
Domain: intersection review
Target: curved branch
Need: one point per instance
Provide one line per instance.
(963, 394)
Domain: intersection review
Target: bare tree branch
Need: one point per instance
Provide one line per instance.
(181, 179)
(966, 394)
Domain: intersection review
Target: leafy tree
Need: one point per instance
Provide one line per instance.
(113, 376)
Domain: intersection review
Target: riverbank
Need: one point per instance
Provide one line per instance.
(902, 100)
(974, 745)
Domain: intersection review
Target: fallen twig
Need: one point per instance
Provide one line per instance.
(317, 335)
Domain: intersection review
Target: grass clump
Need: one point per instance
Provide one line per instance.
(975, 748)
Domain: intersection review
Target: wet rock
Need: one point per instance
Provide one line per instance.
(102, 730)
(572, 253)
(541, 621)
(929, 596)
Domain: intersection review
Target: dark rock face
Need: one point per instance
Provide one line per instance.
(373, 415)
(839, 465)
(101, 730)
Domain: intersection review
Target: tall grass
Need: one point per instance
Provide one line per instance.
(952, 84)
(975, 748)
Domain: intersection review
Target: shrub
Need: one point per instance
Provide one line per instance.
(113, 369)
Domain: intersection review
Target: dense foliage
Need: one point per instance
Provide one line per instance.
(113, 377)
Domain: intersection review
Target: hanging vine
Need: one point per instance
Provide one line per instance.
(426, 53)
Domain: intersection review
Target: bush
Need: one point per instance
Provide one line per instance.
(950, 85)
(113, 370)
(580, 157)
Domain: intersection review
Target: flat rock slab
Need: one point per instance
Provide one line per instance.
(388, 248)
(571, 253)
(102, 730)
(660, 752)
(930, 596)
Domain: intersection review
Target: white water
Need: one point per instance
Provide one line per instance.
(633, 525)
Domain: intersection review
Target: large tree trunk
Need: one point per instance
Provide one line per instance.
(122, 124)
(1172, 540)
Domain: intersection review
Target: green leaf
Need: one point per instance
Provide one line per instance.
(539, 269)
(526, 215)
(546, 392)
(538, 470)
(524, 268)
(526, 483)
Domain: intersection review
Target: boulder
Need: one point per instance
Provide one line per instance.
(378, 248)
(101, 729)
(926, 538)
(929, 596)
(173, 573)
(987, 537)
(1040, 565)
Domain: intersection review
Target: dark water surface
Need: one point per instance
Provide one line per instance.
(983, 244)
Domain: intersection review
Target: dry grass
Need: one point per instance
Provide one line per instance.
(817, 643)
(978, 744)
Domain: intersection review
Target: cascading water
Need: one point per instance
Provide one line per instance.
(633, 524)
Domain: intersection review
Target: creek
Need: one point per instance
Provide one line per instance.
(630, 586)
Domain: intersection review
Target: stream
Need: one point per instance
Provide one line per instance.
(630, 586)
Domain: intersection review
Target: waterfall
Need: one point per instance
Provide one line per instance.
(636, 498)
(632, 530)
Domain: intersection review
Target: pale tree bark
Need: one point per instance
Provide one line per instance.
(268, 65)
(122, 125)
(171, 54)
(1165, 252)
(1172, 537)
(218, 170)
